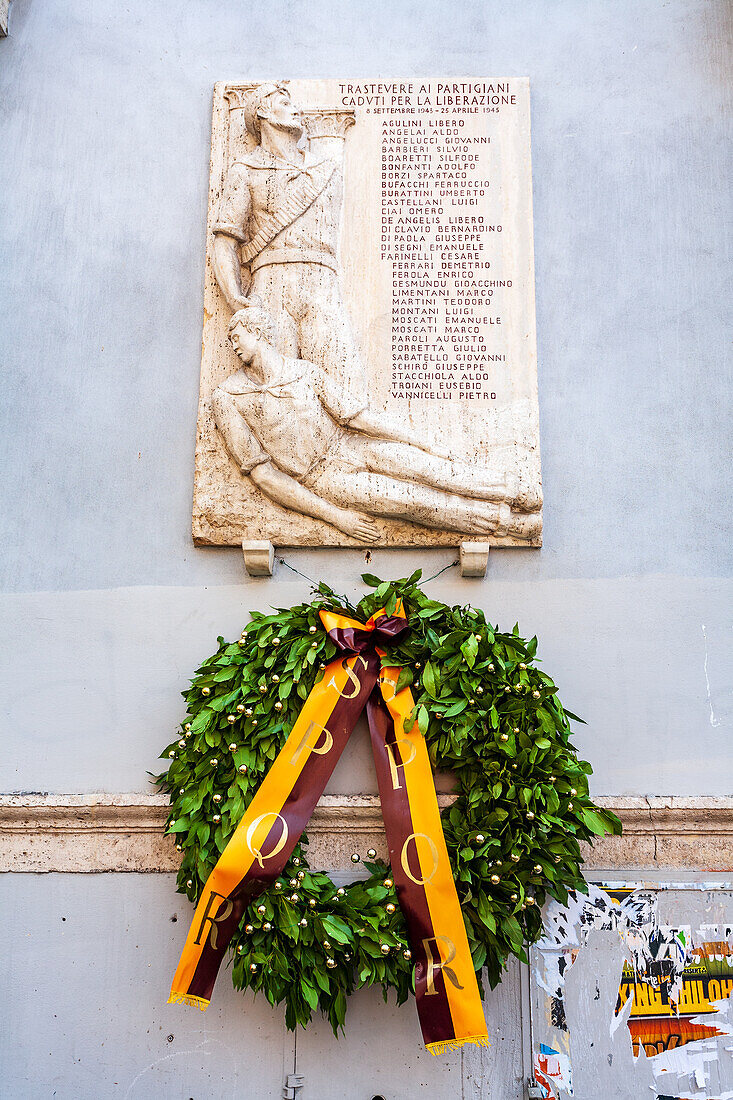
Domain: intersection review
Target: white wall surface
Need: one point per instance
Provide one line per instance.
(107, 606)
(104, 127)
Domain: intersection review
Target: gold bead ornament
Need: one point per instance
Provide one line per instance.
(217, 798)
(231, 719)
(242, 769)
(530, 815)
(240, 708)
(480, 838)
(388, 883)
(384, 948)
(371, 852)
(216, 818)
(275, 678)
(249, 929)
(391, 908)
(206, 691)
(330, 963)
(356, 858)
(495, 879)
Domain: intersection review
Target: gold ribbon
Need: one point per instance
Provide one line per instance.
(446, 990)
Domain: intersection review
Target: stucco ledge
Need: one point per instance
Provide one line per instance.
(124, 832)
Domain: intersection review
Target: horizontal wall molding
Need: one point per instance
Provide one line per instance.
(124, 832)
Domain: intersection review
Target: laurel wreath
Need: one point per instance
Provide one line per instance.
(489, 715)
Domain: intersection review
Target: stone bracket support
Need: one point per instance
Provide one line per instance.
(259, 557)
(474, 558)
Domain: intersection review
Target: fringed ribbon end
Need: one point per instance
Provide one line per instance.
(456, 1044)
(187, 999)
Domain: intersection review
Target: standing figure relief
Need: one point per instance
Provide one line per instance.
(279, 216)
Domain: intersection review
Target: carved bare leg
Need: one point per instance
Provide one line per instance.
(273, 287)
(423, 504)
(325, 334)
(401, 460)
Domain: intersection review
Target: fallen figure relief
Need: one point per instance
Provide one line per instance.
(315, 447)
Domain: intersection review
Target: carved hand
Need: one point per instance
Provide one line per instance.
(356, 524)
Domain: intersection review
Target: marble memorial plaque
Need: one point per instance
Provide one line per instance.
(369, 369)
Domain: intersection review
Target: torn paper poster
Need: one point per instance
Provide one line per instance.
(672, 1004)
(552, 1072)
(637, 993)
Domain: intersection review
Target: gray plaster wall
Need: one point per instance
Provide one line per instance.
(104, 132)
(98, 1027)
(107, 607)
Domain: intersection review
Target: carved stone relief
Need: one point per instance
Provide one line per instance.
(349, 388)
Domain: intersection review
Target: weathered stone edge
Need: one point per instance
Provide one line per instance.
(123, 832)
